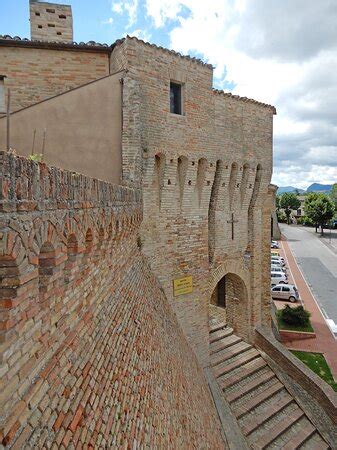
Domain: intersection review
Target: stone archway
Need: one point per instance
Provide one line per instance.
(230, 294)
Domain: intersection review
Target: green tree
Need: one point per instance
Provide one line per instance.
(333, 195)
(277, 202)
(319, 208)
(288, 202)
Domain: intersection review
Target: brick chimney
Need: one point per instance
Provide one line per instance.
(50, 22)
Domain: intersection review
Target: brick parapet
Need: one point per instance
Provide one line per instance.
(26, 185)
(295, 369)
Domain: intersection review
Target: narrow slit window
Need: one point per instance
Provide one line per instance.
(39, 26)
(51, 25)
(59, 33)
(175, 98)
(62, 16)
(37, 14)
(50, 10)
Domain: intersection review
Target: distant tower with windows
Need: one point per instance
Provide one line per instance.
(50, 22)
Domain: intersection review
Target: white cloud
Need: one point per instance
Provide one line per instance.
(117, 8)
(130, 7)
(108, 21)
(297, 176)
(141, 34)
(278, 52)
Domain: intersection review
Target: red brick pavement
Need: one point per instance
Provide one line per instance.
(324, 342)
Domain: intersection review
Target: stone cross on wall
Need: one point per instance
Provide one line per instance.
(232, 221)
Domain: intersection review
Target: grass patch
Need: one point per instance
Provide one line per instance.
(317, 363)
(286, 326)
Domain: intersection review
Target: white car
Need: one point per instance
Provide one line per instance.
(287, 293)
(274, 244)
(278, 259)
(277, 264)
(278, 278)
(277, 269)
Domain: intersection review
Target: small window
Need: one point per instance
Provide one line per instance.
(277, 289)
(59, 33)
(49, 10)
(51, 25)
(299, 212)
(39, 26)
(175, 98)
(62, 16)
(286, 289)
(37, 14)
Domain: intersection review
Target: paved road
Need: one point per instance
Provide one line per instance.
(318, 264)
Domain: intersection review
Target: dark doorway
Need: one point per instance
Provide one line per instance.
(221, 293)
(230, 294)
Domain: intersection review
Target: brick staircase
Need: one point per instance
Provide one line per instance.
(267, 414)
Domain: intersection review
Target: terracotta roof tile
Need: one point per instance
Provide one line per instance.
(172, 52)
(244, 99)
(16, 40)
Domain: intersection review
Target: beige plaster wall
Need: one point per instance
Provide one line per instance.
(82, 129)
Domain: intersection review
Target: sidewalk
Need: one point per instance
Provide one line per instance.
(324, 342)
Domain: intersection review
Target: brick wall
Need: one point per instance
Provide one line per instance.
(91, 353)
(196, 170)
(34, 74)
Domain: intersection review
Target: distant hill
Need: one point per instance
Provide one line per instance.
(316, 187)
(283, 189)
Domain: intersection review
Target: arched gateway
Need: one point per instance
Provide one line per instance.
(231, 294)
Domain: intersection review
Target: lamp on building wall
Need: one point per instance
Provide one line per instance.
(246, 258)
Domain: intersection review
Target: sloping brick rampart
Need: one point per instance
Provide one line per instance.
(91, 352)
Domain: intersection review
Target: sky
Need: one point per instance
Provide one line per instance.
(280, 52)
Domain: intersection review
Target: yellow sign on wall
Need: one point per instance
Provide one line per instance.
(183, 286)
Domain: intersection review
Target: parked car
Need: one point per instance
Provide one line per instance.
(277, 269)
(278, 278)
(278, 259)
(287, 293)
(274, 244)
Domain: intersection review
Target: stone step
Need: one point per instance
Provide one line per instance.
(229, 352)
(219, 334)
(238, 361)
(250, 386)
(301, 437)
(224, 343)
(256, 400)
(244, 372)
(270, 411)
(217, 326)
(315, 442)
(279, 428)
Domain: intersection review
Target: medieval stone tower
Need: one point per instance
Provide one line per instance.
(50, 22)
